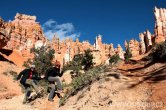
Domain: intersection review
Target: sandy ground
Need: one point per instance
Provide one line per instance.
(8, 87)
(113, 94)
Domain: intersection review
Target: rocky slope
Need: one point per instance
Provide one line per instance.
(141, 89)
(8, 87)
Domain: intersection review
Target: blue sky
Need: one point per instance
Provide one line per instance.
(115, 20)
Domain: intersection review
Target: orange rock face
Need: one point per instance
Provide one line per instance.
(4, 34)
(99, 51)
(160, 24)
(134, 47)
(67, 49)
(147, 40)
(120, 52)
(25, 32)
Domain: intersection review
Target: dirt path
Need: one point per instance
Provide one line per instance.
(155, 77)
(158, 86)
(15, 104)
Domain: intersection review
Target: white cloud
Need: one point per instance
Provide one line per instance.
(51, 28)
(49, 23)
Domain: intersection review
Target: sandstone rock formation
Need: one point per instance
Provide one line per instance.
(67, 49)
(111, 50)
(99, 50)
(142, 44)
(102, 52)
(147, 40)
(25, 32)
(4, 34)
(98, 43)
(134, 47)
(120, 52)
(160, 24)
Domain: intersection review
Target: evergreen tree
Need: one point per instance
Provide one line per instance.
(42, 59)
(159, 52)
(87, 60)
(114, 59)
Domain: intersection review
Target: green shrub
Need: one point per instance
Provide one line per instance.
(158, 52)
(87, 60)
(75, 64)
(79, 61)
(114, 59)
(83, 80)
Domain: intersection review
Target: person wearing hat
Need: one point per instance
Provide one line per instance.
(52, 76)
(27, 78)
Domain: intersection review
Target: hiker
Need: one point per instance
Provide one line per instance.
(28, 80)
(52, 76)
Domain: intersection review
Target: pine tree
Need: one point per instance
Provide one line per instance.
(43, 57)
(87, 60)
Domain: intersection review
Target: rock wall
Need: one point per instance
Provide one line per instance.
(67, 49)
(120, 52)
(4, 34)
(160, 24)
(142, 43)
(134, 47)
(99, 51)
(24, 33)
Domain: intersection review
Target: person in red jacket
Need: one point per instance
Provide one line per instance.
(28, 78)
(53, 77)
